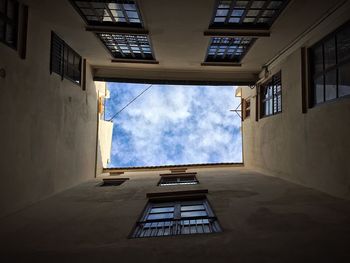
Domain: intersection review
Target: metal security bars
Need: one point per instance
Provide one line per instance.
(64, 60)
(127, 46)
(330, 66)
(228, 49)
(176, 218)
(271, 96)
(184, 179)
(109, 12)
(9, 22)
(247, 14)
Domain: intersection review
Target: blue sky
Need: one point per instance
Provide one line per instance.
(174, 124)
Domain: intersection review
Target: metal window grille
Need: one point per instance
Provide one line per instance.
(109, 12)
(64, 60)
(228, 49)
(127, 46)
(247, 14)
(176, 218)
(9, 22)
(178, 180)
(271, 96)
(330, 66)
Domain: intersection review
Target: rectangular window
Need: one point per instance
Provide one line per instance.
(113, 181)
(247, 14)
(109, 12)
(64, 60)
(271, 96)
(127, 46)
(228, 49)
(329, 66)
(176, 218)
(9, 22)
(178, 179)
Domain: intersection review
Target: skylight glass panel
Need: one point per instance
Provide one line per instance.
(127, 46)
(228, 49)
(123, 13)
(247, 14)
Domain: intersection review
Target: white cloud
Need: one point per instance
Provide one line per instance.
(174, 125)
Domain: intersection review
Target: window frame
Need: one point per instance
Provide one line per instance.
(65, 67)
(244, 25)
(177, 178)
(222, 58)
(176, 225)
(272, 82)
(13, 22)
(127, 22)
(325, 70)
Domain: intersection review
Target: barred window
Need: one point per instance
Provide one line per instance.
(109, 12)
(180, 179)
(330, 66)
(228, 49)
(176, 218)
(271, 96)
(9, 22)
(64, 60)
(247, 14)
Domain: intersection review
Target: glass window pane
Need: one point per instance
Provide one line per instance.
(160, 216)
(10, 35)
(331, 85)
(194, 214)
(162, 209)
(2, 29)
(317, 59)
(2, 6)
(343, 43)
(344, 80)
(192, 207)
(329, 53)
(319, 90)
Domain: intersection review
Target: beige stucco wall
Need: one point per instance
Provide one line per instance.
(48, 126)
(312, 149)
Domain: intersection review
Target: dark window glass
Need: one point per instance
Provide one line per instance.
(329, 53)
(331, 85)
(9, 22)
(64, 60)
(343, 44)
(329, 64)
(271, 96)
(176, 218)
(344, 80)
(319, 89)
(247, 14)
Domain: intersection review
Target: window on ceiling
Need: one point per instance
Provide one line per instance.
(271, 96)
(330, 66)
(109, 12)
(176, 218)
(9, 22)
(64, 60)
(178, 179)
(228, 49)
(127, 46)
(247, 14)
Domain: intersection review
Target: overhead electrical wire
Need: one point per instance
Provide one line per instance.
(131, 102)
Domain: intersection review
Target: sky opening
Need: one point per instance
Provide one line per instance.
(173, 124)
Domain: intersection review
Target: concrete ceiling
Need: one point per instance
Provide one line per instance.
(176, 32)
